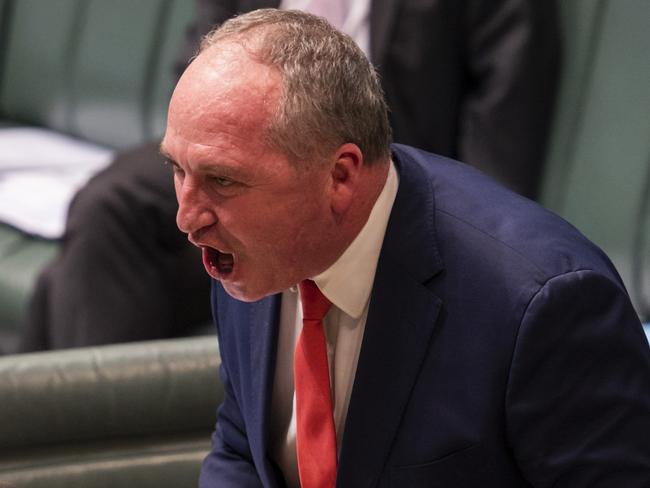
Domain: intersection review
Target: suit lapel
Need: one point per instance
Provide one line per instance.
(400, 322)
(382, 19)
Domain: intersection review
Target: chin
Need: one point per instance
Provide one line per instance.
(244, 293)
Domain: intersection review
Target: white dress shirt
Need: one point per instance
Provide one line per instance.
(347, 284)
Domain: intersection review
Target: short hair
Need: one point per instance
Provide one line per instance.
(331, 93)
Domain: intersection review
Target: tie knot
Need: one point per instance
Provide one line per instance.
(314, 304)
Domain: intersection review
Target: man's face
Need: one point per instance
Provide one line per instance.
(262, 224)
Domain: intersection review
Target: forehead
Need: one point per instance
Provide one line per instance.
(224, 89)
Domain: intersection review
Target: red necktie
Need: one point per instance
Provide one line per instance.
(316, 436)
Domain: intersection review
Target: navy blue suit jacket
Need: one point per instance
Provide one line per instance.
(501, 349)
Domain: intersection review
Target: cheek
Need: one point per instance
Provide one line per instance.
(308, 227)
(252, 227)
(277, 228)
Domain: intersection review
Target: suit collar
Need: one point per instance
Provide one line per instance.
(411, 240)
(400, 322)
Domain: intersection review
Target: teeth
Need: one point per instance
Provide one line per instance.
(222, 261)
(226, 262)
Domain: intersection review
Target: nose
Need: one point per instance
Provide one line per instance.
(194, 209)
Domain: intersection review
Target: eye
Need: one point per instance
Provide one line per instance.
(176, 169)
(222, 182)
(225, 186)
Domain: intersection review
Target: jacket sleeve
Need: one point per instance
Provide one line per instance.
(229, 463)
(578, 399)
(512, 60)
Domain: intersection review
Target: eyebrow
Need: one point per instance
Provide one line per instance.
(164, 153)
(217, 169)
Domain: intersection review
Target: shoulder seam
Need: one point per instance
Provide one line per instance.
(490, 236)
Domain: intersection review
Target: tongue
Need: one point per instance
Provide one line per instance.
(225, 262)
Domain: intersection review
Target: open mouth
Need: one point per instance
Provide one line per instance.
(218, 264)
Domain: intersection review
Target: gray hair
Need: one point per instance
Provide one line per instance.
(331, 93)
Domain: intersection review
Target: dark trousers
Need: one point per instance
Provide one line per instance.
(125, 272)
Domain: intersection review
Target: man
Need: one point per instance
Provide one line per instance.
(434, 328)
(473, 80)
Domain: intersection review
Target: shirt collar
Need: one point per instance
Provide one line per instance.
(348, 282)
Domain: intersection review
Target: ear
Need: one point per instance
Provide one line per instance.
(345, 177)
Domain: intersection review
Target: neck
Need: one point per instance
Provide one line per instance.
(370, 186)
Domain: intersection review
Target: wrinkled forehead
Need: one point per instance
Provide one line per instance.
(225, 86)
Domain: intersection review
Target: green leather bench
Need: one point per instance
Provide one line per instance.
(21, 258)
(95, 70)
(129, 415)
